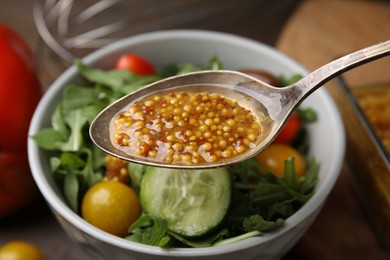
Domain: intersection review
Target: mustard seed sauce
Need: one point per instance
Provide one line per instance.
(185, 128)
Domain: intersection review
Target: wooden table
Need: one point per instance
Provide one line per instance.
(316, 33)
(341, 230)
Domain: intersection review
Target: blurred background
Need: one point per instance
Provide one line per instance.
(75, 28)
(312, 32)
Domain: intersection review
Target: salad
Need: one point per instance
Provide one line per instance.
(172, 207)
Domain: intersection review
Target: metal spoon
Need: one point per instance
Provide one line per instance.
(274, 103)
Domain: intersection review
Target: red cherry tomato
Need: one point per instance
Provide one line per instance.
(135, 64)
(20, 90)
(289, 130)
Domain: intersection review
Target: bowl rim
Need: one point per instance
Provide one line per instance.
(59, 206)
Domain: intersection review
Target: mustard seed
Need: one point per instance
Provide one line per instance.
(185, 128)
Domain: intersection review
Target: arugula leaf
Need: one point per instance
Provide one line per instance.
(152, 230)
(180, 68)
(106, 95)
(138, 82)
(307, 115)
(90, 112)
(48, 138)
(311, 177)
(98, 155)
(71, 190)
(214, 63)
(290, 175)
(267, 194)
(72, 161)
(76, 120)
(289, 81)
(257, 222)
(55, 163)
(88, 173)
(282, 208)
(77, 96)
(149, 230)
(122, 81)
(114, 79)
(57, 121)
(199, 243)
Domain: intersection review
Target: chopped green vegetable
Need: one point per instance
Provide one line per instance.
(180, 68)
(289, 81)
(48, 138)
(149, 230)
(307, 115)
(256, 222)
(204, 242)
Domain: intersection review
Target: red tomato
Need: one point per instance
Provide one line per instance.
(135, 64)
(17, 186)
(20, 92)
(289, 130)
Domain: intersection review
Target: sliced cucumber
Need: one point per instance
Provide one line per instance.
(193, 202)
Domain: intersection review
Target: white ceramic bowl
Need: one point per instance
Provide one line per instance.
(326, 142)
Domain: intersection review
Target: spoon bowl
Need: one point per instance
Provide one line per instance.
(265, 101)
(239, 87)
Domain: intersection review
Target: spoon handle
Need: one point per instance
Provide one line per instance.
(327, 72)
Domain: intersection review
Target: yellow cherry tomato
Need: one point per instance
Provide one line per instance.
(111, 206)
(20, 250)
(274, 156)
